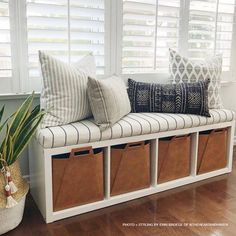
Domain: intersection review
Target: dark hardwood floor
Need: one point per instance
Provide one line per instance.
(212, 201)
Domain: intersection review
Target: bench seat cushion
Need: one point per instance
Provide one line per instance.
(133, 124)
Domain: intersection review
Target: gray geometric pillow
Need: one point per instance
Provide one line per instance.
(185, 70)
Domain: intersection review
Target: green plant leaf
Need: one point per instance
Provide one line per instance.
(24, 142)
(21, 114)
(27, 127)
(1, 113)
(2, 126)
(4, 144)
(7, 132)
(20, 130)
(9, 149)
(33, 114)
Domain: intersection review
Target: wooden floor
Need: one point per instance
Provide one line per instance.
(212, 201)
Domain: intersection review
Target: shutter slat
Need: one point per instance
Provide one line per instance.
(5, 41)
(149, 30)
(211, 29)
(48, 23)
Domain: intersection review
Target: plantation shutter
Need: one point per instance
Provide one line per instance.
(224, 35)
(47, 23)
(138, 36)
(150, 27)
(5, 46)
(67, 29)
(87, 30)
(211, 29)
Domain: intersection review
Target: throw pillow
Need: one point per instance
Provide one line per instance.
(183, 69)
(109, 100)
(64, 93)
(187, 98)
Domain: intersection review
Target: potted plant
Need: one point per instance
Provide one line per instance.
(19, 129)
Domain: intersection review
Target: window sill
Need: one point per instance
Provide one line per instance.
(15, 96)
(21, 96)
(226, 83)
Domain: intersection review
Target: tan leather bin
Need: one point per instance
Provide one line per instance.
(130, 167)
(77, 178)
(212, 150)
(173, 158)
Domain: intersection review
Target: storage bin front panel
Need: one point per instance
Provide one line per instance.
(130, 168)
(174, 158)
(77, 179)
(212, 150)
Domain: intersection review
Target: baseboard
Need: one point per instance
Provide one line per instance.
(234, 140)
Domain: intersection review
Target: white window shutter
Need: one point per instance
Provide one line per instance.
(211, 29)
(68, 29)
(87, 30)
(150, 27)
(47, 24)
(168, 18)
(139, 18)
(224, 34)
(5, 41)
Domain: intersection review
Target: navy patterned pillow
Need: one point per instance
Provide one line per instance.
(187, 98)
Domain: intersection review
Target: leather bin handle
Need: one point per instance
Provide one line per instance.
(179, 137)
(218, 130)
(134, 145)
(213, 131)
(75, 152)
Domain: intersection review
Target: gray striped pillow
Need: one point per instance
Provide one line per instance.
(64, 93)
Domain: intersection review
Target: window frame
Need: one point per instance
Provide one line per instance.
(228, 76)
(20, 82)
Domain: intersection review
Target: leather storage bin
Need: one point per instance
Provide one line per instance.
(130, 167)
(173, 158)
(212, 150)
(77, 178)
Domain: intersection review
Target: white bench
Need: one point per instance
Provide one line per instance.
(134, 127)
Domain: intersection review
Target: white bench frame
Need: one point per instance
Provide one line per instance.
(41, 170)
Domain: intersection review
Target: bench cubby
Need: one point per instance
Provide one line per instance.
(42, 169)
(174, 155)
(77, 178)
(212, 150)
(130, 167)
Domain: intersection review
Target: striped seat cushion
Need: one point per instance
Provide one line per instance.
(87, 131)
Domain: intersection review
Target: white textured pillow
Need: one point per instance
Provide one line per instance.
(183, 69)
(64, 93)
(109, 100)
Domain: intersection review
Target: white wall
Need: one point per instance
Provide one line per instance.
(228, 97)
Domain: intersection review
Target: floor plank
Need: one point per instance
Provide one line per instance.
(209, 201)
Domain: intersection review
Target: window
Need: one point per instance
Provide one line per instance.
(67, 29)
(126, 36)
(150, 27)
(211, 29)
(5, 43)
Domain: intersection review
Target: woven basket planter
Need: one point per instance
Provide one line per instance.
(10, 218)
